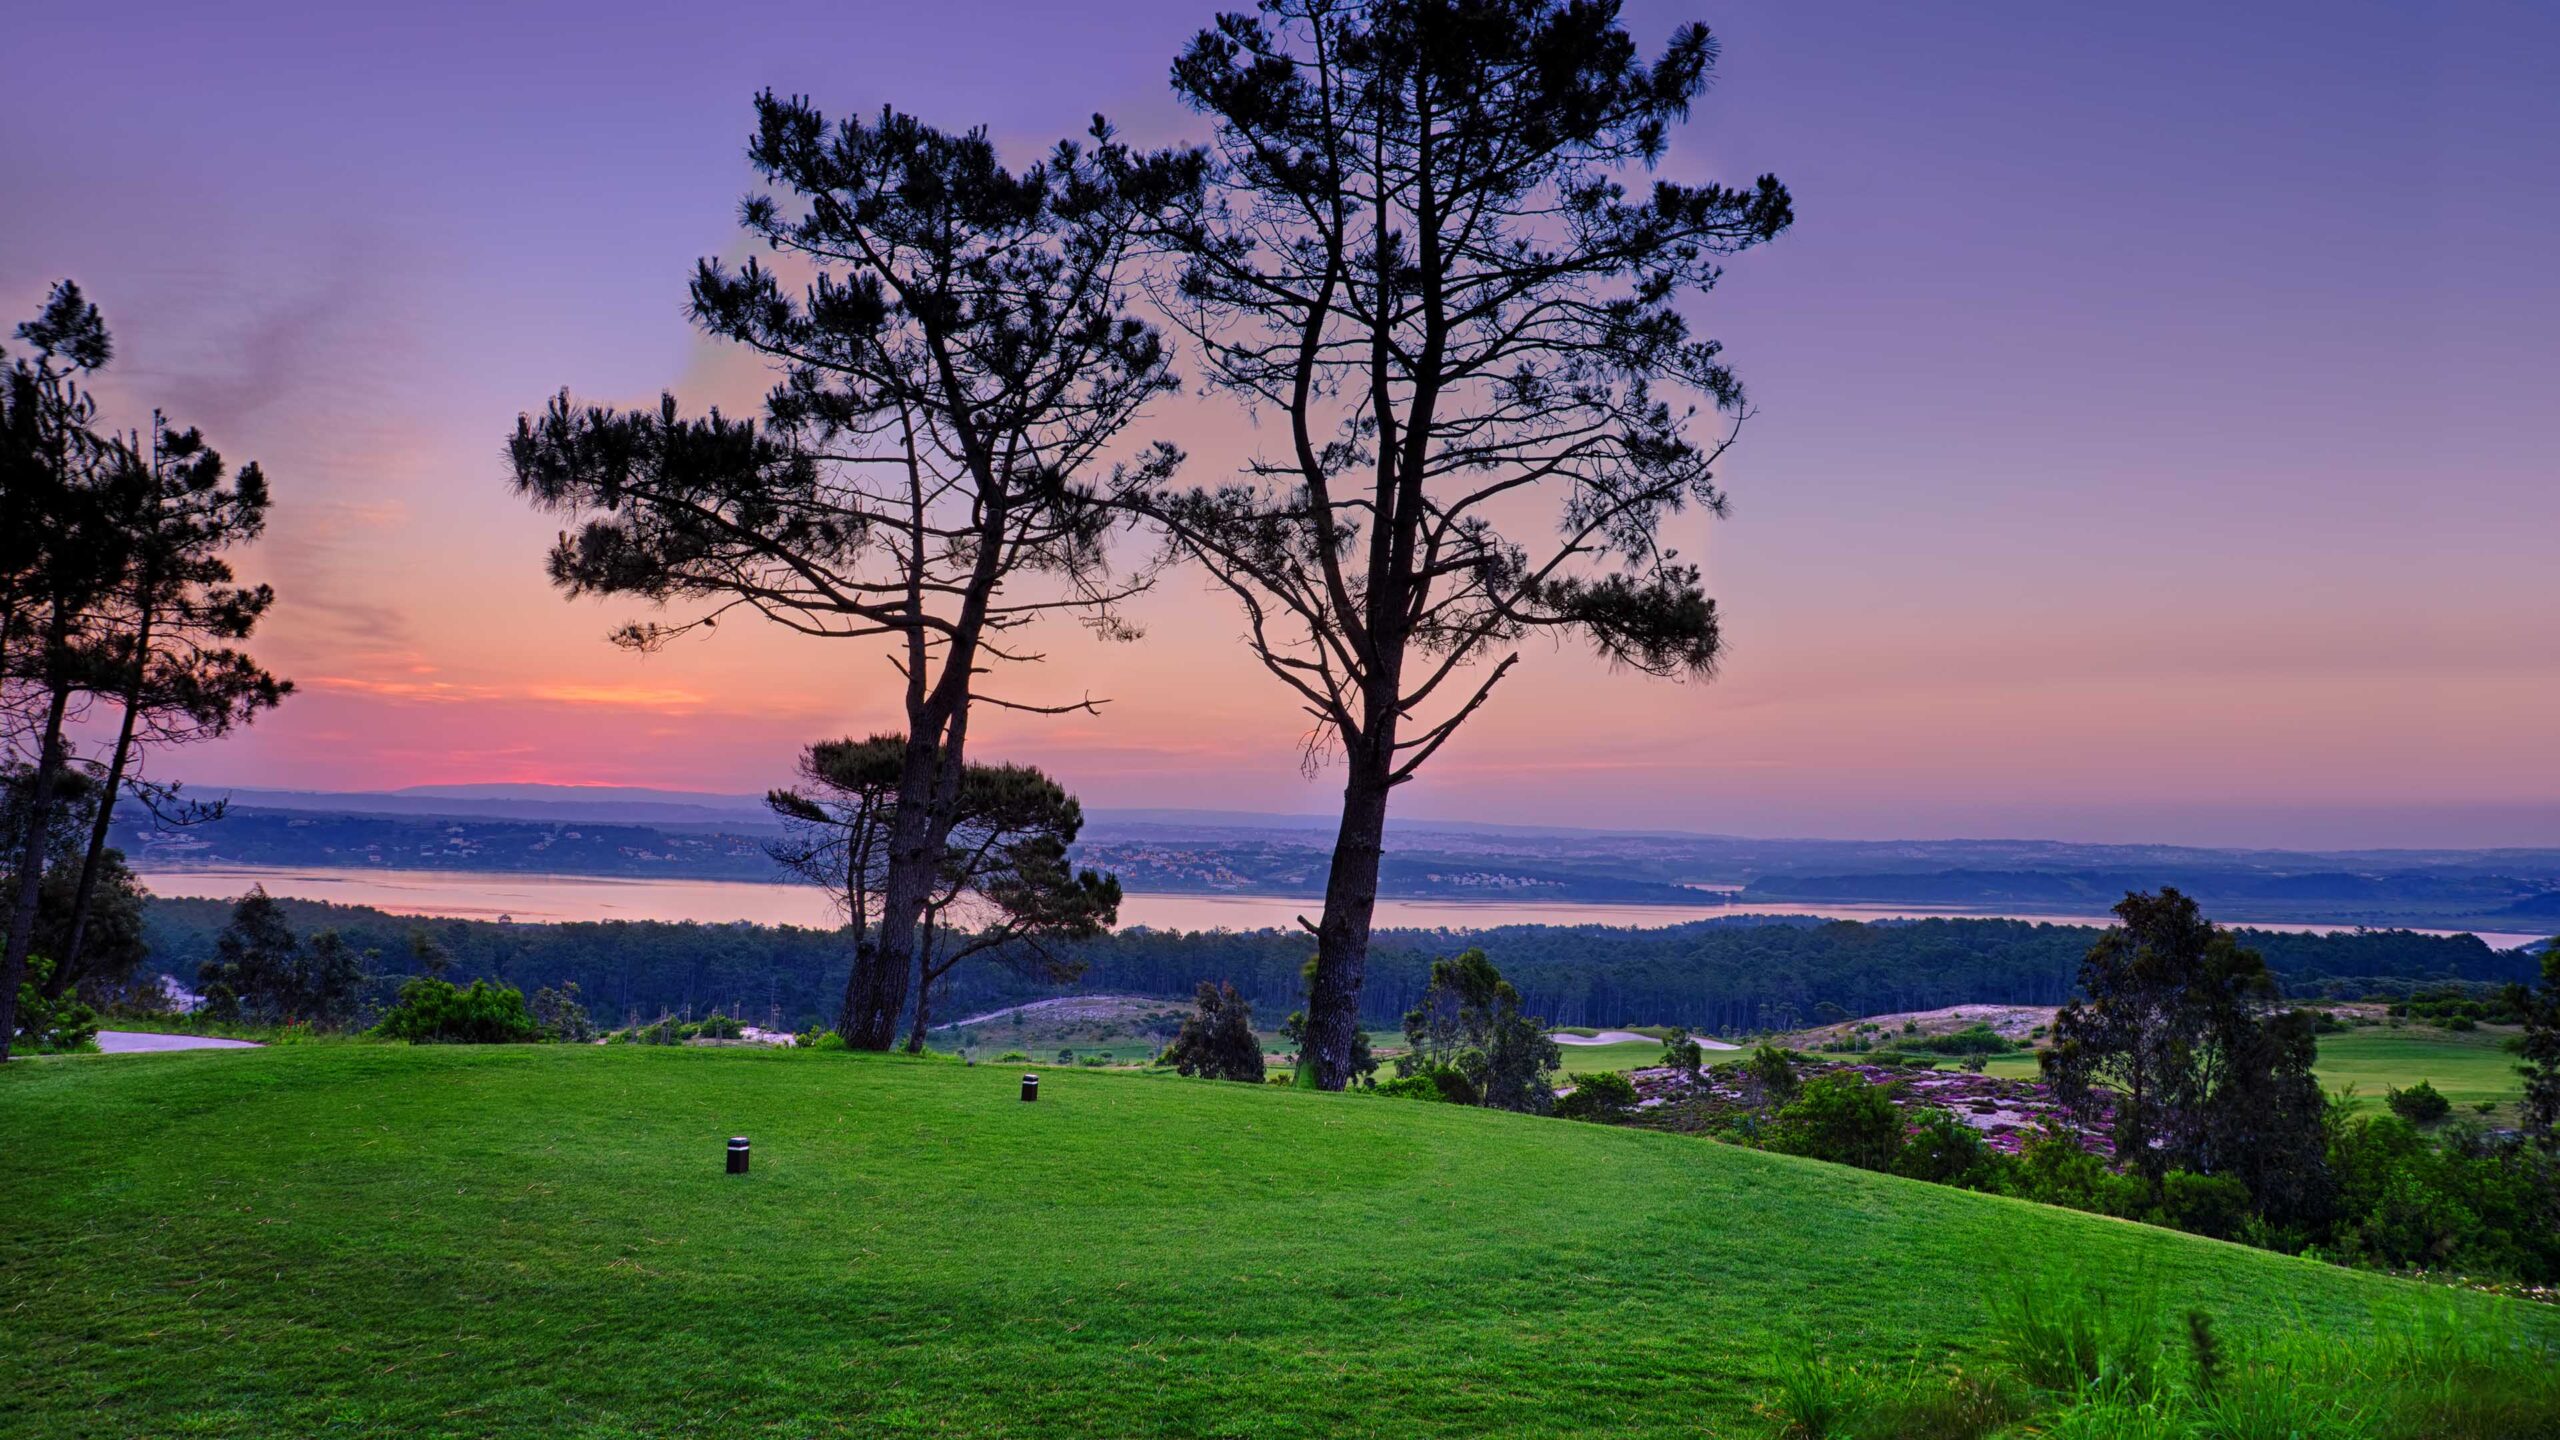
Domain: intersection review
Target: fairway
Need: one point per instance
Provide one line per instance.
(539, 1240)
(2468, 1066)
(1631, 1055)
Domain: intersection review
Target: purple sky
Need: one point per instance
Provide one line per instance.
(2151, 441)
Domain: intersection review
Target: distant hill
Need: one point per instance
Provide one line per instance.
(2545, 906)
(686, 834)
(561, 804)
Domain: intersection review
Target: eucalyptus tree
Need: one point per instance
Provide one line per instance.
(2182, 1039)
(1004, 888)
(934, 462)
(166, 654)
(1414, 248)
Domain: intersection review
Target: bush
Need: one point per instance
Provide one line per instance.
(2214, 1205)
(560, 1014)
(1607, 1095)
(1444, 1084)
(1976, 1039)
(1775, 1073)
(2054, 1170)
(434, 1012)
(2420, 1104)
(1946, 1151)
(51, 1027)
(1841, 1118)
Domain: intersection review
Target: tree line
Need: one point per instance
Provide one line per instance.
(1716, 977)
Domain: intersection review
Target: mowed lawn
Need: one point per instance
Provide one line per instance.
(1632, 1055)
(363, 1239)
(2467, 1065)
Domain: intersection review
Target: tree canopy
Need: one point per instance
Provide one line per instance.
(952, 378)
(1416, 250)
(1004, 888)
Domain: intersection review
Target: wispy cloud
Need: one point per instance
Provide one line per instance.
(632, 697)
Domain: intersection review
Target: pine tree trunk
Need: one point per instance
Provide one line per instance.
(924, 1009)
(66, 967)
(1350, 901)
(849, 1013)
(904, 891)
(31, 848)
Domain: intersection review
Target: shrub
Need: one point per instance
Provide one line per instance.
(1975, 1039)
(434, 1012)
(1945, 1150)
(1774, 1072)
(1437, 1086)
(52, 1027)
(560, 1014)
(1841, 1118)
(2054, 1170)
(2420, 1104)
(1607, 1095)
(2215, 1205)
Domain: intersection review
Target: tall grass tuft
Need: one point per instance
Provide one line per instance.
(1816, 1401)
(2072, 1343)
(2205, 1350)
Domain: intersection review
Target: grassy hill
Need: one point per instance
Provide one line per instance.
(539, 1240)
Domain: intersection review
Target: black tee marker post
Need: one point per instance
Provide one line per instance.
(1030, 1087)
(737, 1154)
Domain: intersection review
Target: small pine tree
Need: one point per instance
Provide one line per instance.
(1217, 1038)
(1683, 1053)
(1775, 1073)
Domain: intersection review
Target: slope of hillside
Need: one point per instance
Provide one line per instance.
(364, 1239)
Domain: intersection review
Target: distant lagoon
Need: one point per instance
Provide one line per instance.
(483, 895)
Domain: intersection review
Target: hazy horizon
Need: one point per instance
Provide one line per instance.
(2150, 442)
(538, 791)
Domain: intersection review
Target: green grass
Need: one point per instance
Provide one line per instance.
(366, 1239)
(1633, 1055)
(2467, 1065)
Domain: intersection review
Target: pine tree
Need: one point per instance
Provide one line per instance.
(1004, 889)
(1414, 250)
(1217, 1038)
(60, 556)
(933, 470)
